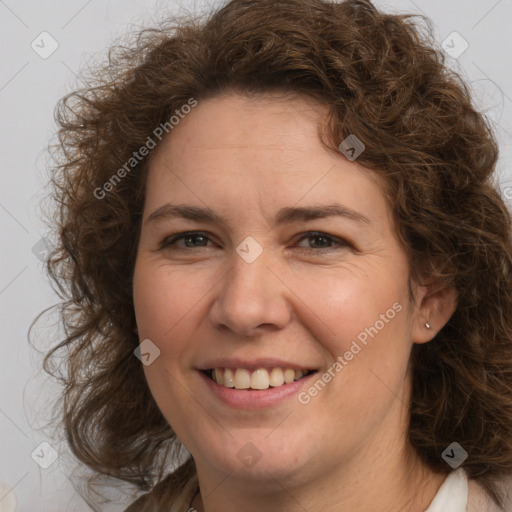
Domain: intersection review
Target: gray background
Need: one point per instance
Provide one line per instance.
(30, 86)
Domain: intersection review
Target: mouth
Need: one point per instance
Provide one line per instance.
(258, 379)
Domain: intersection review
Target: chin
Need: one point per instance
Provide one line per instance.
(255, 458)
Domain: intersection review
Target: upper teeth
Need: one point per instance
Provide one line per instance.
(262, 378)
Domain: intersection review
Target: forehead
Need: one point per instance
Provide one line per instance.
(264, 151)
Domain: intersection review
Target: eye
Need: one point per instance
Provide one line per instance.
(315, 240)
(322, 241)
(191, 239)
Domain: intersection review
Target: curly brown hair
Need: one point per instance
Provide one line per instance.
(384, 80)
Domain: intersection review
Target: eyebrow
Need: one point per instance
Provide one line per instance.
(285, 215)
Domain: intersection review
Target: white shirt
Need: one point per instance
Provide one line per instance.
(452, 495)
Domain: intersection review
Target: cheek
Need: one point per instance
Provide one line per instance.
(347, 306)
(163, 301)
(164, 308)
(364, 326)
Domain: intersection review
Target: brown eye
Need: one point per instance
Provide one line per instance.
(318, 240)
(190, 239)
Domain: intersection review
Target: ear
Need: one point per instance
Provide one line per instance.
(436, 304)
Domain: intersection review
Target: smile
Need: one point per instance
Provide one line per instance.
(258, 379)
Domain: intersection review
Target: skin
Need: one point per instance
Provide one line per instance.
(304, 300)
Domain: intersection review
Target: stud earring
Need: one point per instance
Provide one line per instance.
(427, 325)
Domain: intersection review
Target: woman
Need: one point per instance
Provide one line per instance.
(286, 253)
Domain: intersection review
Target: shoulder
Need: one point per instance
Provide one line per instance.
(143, 503)
(480, 501)
(138, 505)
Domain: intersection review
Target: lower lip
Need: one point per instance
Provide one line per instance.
(255, 399)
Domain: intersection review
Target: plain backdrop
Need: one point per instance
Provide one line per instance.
(31, 83)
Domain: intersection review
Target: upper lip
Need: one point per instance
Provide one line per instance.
(253, 364)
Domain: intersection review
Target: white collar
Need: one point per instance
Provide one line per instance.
(452, 495)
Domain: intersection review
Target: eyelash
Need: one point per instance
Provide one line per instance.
(311, 234)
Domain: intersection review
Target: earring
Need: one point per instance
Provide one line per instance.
(427, 325)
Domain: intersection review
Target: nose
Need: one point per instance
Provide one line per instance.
(251, 298)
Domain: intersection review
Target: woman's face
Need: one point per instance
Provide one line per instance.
(289, 263)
